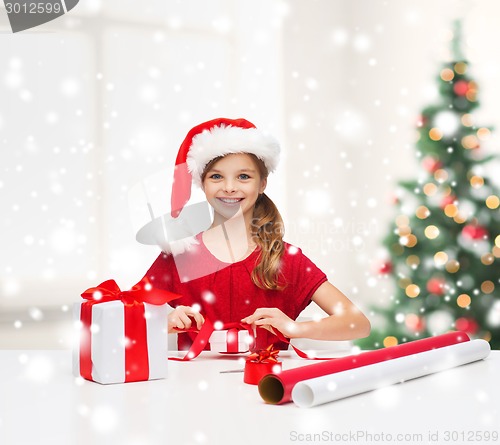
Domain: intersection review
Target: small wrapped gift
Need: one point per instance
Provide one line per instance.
(122, 335)
(260, 364)
(231, 340)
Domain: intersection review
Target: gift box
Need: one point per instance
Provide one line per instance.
(231, 340)
(122, 336)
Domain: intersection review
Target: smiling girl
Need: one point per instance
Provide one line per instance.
(240, 268)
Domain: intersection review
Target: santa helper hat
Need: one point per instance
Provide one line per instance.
(212, 139)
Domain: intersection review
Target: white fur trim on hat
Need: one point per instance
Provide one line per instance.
(223, 140)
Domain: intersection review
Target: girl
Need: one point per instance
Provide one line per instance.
(240, 269)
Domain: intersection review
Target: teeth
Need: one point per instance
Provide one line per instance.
(230, 200)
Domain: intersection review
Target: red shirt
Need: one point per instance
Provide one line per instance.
(226, 291)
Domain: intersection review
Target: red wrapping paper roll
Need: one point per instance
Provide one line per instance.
(255, 371)
(277, 388)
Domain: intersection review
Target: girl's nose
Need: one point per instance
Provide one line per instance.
(229, 187)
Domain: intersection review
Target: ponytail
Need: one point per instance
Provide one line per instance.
(267, 232)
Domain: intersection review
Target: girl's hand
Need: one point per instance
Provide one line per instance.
(271, 317)
(182, 317)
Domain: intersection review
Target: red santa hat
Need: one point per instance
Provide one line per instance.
(212, 139)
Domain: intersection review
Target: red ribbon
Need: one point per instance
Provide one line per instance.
(300, 353)
(206, 331)
(232, 340)
(136, 352)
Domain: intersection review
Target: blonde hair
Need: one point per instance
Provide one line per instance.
(267, 232)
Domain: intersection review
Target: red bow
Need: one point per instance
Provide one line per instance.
(142, 292)
(136, 356)
(268, 355)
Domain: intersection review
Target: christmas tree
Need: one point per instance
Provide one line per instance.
(444, 245)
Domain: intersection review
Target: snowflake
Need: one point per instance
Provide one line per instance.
(38, 369)
(202, 385)
(362, 43)
(36, 314)
(70, 87)
(104, 419)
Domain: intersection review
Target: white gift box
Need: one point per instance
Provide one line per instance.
(108, 342)
(219, 340)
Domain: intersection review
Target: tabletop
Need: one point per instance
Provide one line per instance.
(42, 403)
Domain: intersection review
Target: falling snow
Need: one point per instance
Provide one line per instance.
(343, 112)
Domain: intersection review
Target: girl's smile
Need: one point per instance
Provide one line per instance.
(230, 201)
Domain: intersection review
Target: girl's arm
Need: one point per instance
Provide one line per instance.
(344, 322)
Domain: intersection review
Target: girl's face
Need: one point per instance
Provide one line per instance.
(233, 183)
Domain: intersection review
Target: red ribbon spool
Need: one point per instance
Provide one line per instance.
(260, 364)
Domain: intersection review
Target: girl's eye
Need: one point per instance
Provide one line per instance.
(215, 176)
(244, 176)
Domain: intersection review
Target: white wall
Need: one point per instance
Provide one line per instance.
(99, 99)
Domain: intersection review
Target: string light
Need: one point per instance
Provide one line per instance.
(470, 142)
(431, 232)
(460, 67)
(430, 189)
(467, 120)
(390, 341)
(404, 231)
(447, 74)
(440, 175)
(412, 291)
(408, 241)
(483, 134)
(451, 210)
(413, 261)
(412, 321)
(440, 258)
(492, 202)
(471, 92)
(463, 300)
(412, 241)
(452, 266)
(435, 134)
(476, 182)
(446, 190)
(422, 212)
(487, 259)
(487, 287)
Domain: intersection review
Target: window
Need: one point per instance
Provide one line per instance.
(96, 101)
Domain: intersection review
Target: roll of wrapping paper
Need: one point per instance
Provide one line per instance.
(337, 386)
(277, 388)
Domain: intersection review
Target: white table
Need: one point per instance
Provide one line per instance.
(42, 403)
